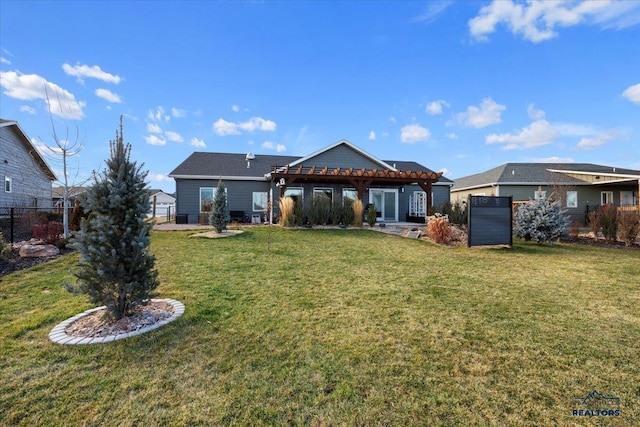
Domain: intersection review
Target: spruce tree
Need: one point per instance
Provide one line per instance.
(116, 268)
(218, 218)
(541, 221)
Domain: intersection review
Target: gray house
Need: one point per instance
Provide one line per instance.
(25, 174)
(579, 186)
(400, 190)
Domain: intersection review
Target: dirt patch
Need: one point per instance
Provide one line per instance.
(13, 262)
(214, 235)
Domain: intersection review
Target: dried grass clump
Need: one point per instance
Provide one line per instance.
(358, 212)
(439, 230)
(287, 206)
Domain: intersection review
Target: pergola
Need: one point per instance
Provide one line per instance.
(360, 179)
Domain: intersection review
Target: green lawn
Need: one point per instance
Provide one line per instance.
(337, 327)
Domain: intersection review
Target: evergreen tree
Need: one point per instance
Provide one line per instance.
(218, 218)
(116, 268)
(540, 221)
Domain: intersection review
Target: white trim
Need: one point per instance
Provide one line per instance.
(594, 173)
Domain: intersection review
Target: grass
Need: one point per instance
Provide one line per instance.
(336, 327)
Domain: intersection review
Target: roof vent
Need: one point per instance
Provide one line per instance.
(250, 156)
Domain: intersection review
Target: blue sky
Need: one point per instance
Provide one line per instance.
(459, 87)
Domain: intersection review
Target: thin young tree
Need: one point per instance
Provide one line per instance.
(116, 267)
(218, 218)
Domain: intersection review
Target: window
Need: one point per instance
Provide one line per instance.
(349, 193)
(206, 198)
(260, 201)
(628, 198)
(296, 193)
(572, 199)
(418, 204)
(323, 191)
(7, 184)
(539, 195)
(606, 197)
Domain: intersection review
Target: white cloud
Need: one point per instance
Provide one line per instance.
(32, 86)
(536, 134)
(434, 9)
(95, 72)
(554, 159)
(533, 113)
(223, 127)
(273, 146)
(434, 108)
(155, 140)
(414, 133)
(452, 135)
(235, 108)
(537, 21)
(445, 172)
(28, 109)
(392, 119)
(153, 128)
(4, 60)
(108, 96)
(591, 143)
(173, 136)
(158, 115)
(488, 113)
(158, 177)
(372, 135)
(632, 93)
(177, 113)
(198, 143)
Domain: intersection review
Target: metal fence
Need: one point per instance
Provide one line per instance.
(17, 223)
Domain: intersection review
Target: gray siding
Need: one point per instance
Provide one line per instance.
(341, 156)
(30, 185)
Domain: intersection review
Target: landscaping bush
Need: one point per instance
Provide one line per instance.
(439, 230)
(300, 214)
(5, 249)
(76, 216)
(371, 215)
(457, 212)
(541, 221)
(337, 213)
(116, 268)
(574, 229)
(609, 222)
(594, 223)
(628, 227)
(49, 232)
(358, 212)
(218, 217)
(348, 215)
(286, 205)
(320, 212)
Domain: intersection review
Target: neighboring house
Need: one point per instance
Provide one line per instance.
(579, 186)
(25, 174)
(162, 204)
(57, 196)
(400, 190)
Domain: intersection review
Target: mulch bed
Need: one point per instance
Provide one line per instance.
(13, 262)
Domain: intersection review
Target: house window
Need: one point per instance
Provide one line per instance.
(7, 184)
(206, 198)
(606, 197)
(572, 199)
(323, 191)
(418, 204)
(349, 193)
(260, 200)
(628, 198)
(539, 194)
(296, 193)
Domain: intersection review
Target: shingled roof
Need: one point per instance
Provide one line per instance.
(534, 174)
(215, 165)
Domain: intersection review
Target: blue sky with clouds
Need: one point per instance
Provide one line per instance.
(457, 86)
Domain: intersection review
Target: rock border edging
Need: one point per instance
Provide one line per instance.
(59, 336)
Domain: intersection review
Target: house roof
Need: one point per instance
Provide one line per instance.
(58, 192)
(156, 191)
(202, 165)
(28, 145)
(539, 174)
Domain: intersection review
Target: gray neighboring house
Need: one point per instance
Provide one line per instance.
(163, 203)
(401, 190)
(584, 186)
(26, 176)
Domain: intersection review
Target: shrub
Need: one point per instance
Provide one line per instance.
(457, 212)
(439, 230)
(49, 232)
(609, 222)
(541, 221)
(594, 223)
(337, 213)
(300, 214)
(286, 205)
(348, 215)
(320, 211)
(574, 229)
(218, 217)
(76, 216)
(628, 227)
(116, 268)
(358, 212)
(4, 248)
(371, 215)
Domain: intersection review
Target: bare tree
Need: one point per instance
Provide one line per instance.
(60, 152)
